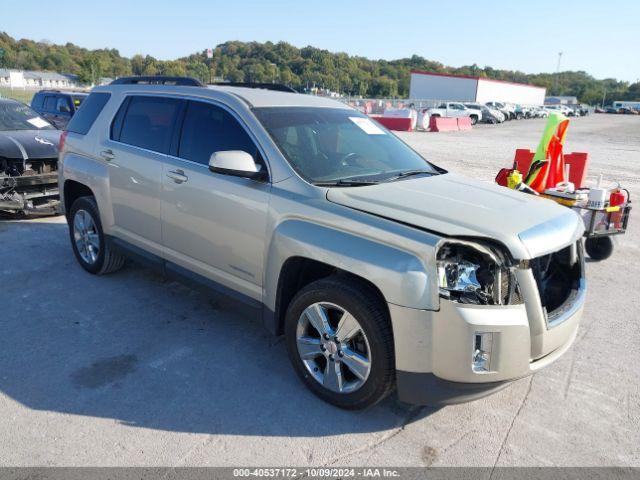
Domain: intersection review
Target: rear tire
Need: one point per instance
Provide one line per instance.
(93, 253)
(335, 298)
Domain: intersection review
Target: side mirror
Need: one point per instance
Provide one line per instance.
(236, 163)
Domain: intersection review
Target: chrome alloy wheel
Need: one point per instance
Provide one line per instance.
(85, 234)
(333, 347)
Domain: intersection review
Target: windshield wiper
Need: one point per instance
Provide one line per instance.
(344, 182)
(409, 173)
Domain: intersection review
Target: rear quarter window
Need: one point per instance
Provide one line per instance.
(83, 119)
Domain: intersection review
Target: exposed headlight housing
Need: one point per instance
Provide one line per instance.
(475, 274)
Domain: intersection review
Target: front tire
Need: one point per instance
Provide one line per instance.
(474, 119)
(339, 339)
(93, 253)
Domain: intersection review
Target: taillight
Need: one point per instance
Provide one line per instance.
(63, 138)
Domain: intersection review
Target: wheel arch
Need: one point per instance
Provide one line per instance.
(301, 252)
(298, 272)
(72, 190)
(86, 176)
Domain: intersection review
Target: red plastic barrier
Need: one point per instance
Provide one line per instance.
(394, 123)
(523, 160)
(464, 123)
(578, 161)
(441, 124)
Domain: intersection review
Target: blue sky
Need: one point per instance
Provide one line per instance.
(600, 37)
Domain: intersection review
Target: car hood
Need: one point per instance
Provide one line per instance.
(452, 205)
(29, 144)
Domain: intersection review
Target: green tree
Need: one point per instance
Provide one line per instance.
(298, 67)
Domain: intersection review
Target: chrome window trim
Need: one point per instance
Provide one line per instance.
(213, 102)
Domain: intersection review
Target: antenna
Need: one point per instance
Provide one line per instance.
(555, 80)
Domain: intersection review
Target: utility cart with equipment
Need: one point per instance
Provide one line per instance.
(561, 177)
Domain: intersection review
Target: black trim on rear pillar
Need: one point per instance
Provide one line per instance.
(427, 389)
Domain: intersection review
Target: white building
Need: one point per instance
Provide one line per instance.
(463, 88)
(34, 79)
(5, 77)
(622, 104)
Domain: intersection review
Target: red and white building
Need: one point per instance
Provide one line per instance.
(464, 88)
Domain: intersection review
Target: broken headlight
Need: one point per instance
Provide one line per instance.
(474, 274)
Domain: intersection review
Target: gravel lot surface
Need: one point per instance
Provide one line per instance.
(128, 369)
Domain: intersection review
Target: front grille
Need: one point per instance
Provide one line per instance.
(509, 288)
(558, 277)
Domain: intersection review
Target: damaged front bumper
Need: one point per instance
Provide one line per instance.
(30, 194)
(462, 352)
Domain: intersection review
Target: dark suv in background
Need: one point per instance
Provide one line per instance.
(57, 107)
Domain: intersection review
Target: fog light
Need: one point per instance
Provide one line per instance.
(481, 356)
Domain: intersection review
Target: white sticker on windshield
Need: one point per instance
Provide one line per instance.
(367, 125)
(38, 122)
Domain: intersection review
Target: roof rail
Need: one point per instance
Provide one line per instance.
(56, 90)
(278, 87)
(158, 80)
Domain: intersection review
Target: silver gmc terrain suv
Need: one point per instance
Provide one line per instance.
(381, 269)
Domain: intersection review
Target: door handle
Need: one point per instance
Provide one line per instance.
(107, 155)
(177, 176)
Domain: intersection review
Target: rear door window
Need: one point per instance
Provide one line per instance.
(207, 129)
(63, 106)
(77, 100)
(37, 101)
(83, 119)
(148, 122)
(49, 103)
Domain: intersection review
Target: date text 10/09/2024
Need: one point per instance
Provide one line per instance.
(316, 472)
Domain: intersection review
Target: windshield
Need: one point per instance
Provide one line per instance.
(327, 145)
(16, 116)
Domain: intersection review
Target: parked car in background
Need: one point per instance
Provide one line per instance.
(455, 110)
(563, 109)
(383, 271)
(28, 160)
(507, 109)
(57, 106)
(583, 109)
(577, 110)
(541, 112)
(518, 113)
(489, 115)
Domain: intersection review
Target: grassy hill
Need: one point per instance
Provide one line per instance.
(298, 67)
